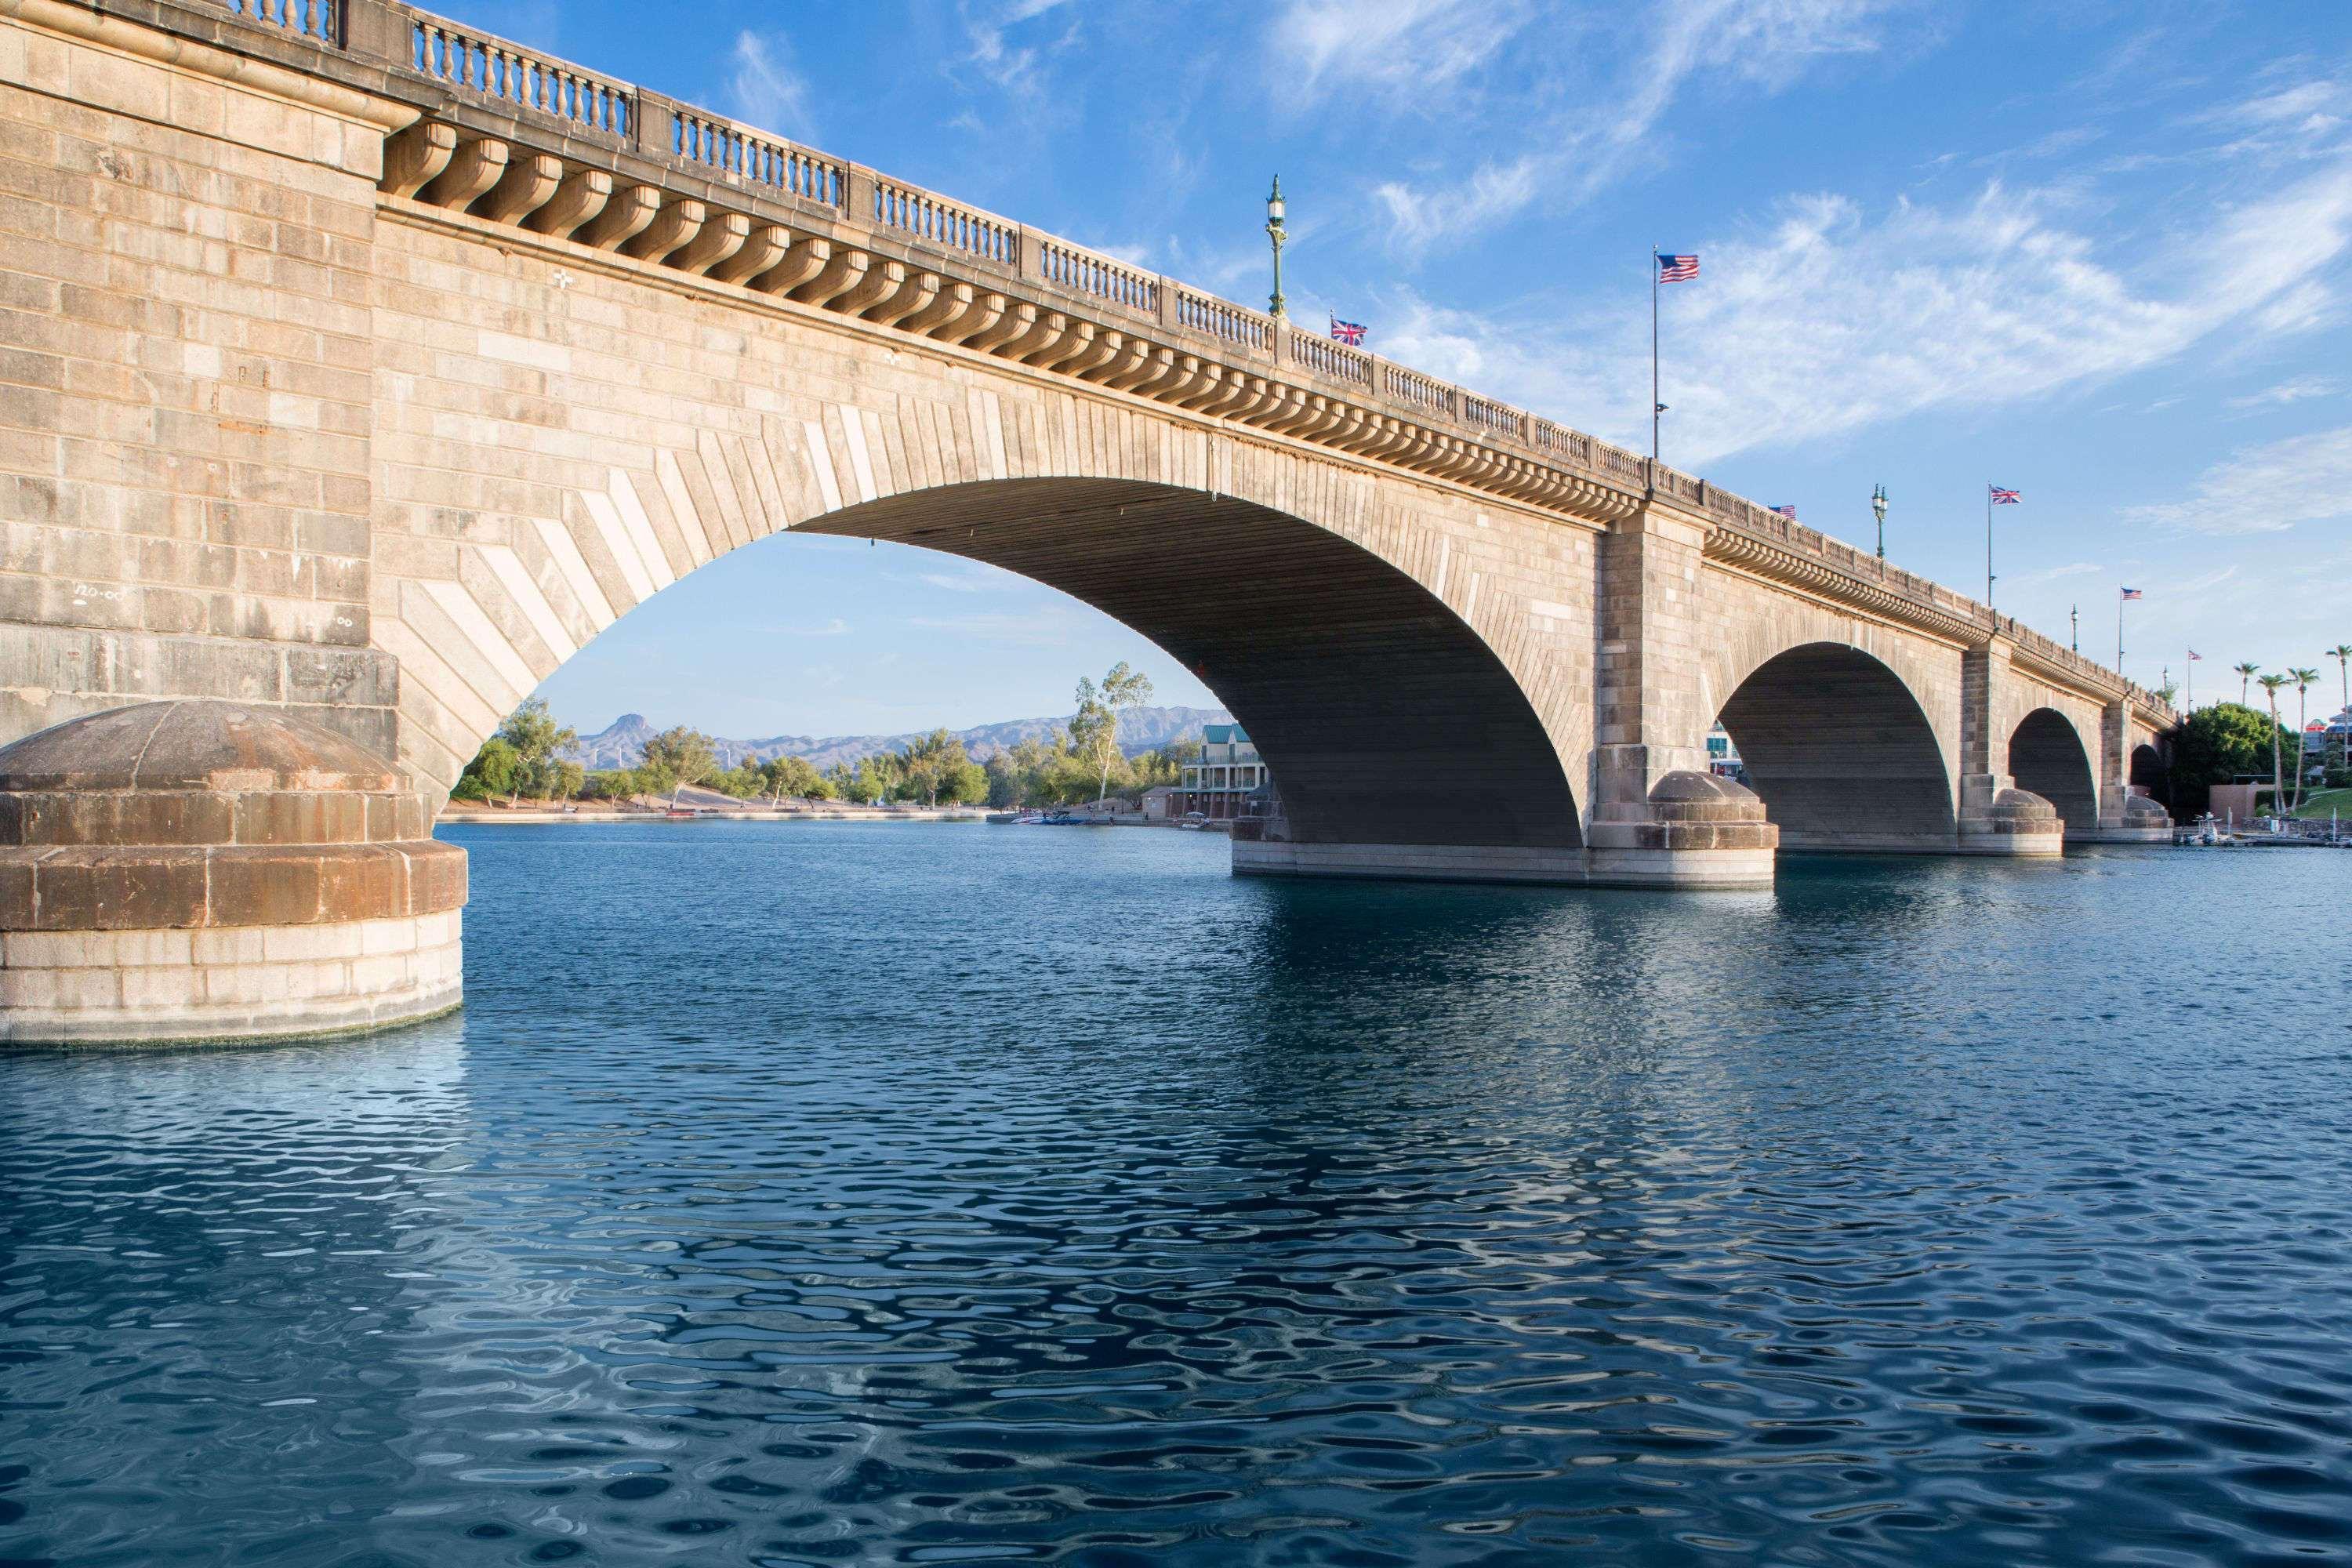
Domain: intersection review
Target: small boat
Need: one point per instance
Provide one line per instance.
(1195, 822)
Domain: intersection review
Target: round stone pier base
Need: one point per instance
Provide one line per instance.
(1696, 832)
(208, 870)
(2017, 823)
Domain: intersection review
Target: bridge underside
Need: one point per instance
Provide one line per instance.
(2047, 757)
(1385, 720)
(1842, 756)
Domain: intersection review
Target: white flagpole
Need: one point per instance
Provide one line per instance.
(1987, 544)
(1654, 362)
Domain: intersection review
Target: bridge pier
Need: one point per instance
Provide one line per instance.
(1659, 819)
(207, 870)
(2126, 817)
(1996, 817)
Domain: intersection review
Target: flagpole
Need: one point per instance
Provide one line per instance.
(2188, 674)
(1653, 361)
(2119, 631)
(1987, 544)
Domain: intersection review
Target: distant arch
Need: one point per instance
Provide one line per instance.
(2046, 757)
(1841, 751)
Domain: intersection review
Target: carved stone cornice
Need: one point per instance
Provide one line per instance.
(1779, 564)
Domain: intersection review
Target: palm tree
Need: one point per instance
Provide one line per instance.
(2271, 684)
(2302, 680)
(2342, 653)
(2245, 672)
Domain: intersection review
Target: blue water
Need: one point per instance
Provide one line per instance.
(861, 1194)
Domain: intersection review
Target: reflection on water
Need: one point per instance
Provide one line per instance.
(820, 1195)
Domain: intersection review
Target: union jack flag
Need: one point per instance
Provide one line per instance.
(2130, 593)
(1347, 332)
(1788, 511)
(2002, 497)
(1676, 268)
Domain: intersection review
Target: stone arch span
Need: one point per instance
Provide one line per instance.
(2047, 757)
(1386, 716)
(1841, 751)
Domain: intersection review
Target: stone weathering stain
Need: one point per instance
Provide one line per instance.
(361, 368)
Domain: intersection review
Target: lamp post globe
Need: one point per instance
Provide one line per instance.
(1275, 210)
(1878, 510)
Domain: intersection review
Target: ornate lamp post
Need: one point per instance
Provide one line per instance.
(1275, 232)
(1878, 508)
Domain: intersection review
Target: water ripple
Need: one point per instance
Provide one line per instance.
(944, 1195)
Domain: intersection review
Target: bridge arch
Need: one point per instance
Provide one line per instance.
(1841, 750)
(1381, 710)
(2047, 757)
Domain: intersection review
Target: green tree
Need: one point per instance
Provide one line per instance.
(493, 771)
(536, 738)
(2246, 672)
(965, 783)
(2270, 685)
(793, 775)
(2302, 680)
(564, 779)
(1094, 730)
(678, 758)
(2342, 653)
(2226, 741)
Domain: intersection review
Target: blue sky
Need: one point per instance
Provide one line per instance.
(2095, 252)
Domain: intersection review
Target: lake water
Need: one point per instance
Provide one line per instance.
(933, 1193)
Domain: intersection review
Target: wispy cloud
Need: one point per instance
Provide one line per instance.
(2301, 389)
(1014, 68)
(2266, 489)
(974, 578)
(835, 627)
(1020, 631)
(1984, 302)
(1407, 47)
(765, 90)
(1765, 44)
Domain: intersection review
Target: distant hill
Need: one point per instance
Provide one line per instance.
(623, 743)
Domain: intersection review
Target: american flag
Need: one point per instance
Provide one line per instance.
(2130, 593)
(1788, 511)
(2194, 654)
(2003, 498)
(1676, 268)
(1347, 332)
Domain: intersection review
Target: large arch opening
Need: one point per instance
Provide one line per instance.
(1383, 717)
(2046, 758)
(1841, 751)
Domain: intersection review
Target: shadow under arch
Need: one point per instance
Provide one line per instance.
(1841, 752)
(2046, 757)
(1384, 717)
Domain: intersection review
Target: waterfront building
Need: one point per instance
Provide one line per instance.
(1722, 755)
(1218, 782)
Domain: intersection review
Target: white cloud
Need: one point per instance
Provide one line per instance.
(1788, 336)
(1022, 631)
(1763, 43)
(1404, 46)
(766, 91)
(1017, 70)
(2266, 489)
(835, 627)
(2301, 389)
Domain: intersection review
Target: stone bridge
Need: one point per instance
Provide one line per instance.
(358, 368)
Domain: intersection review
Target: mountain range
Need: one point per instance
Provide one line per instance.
(621, 744)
